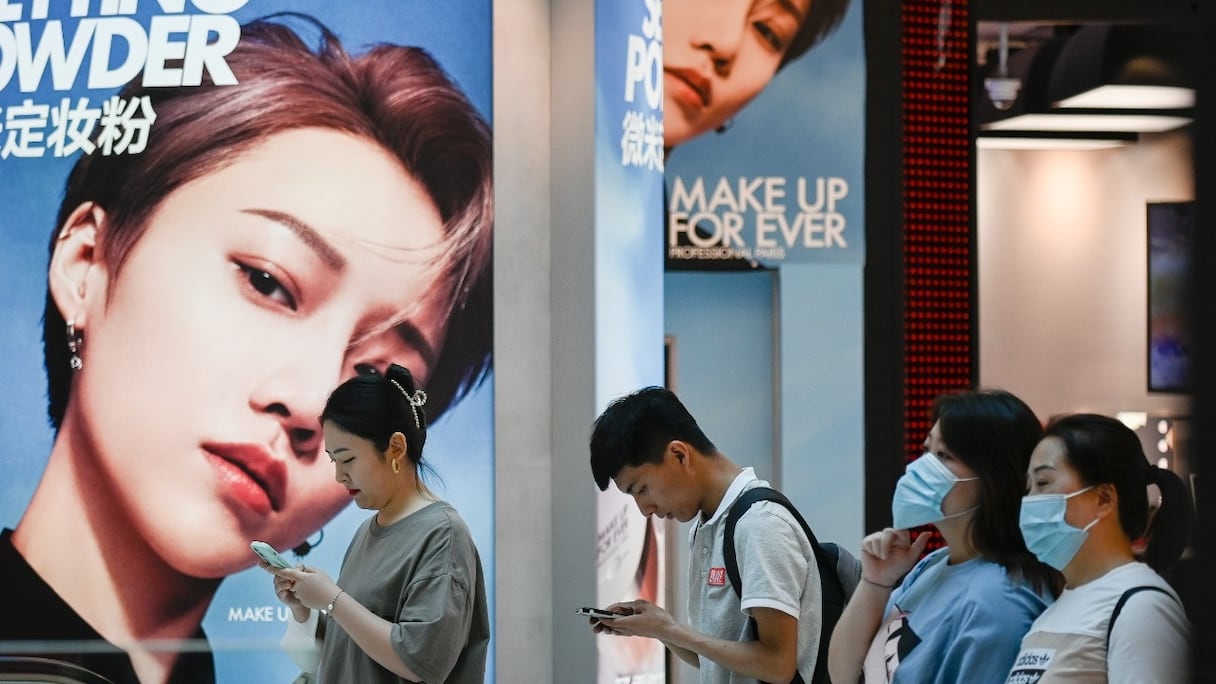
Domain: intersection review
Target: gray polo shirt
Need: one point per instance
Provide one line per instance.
(777, 569)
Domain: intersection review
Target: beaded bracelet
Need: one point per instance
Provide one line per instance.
(330, 608)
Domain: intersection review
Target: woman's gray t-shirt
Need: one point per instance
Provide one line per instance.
(424, 575)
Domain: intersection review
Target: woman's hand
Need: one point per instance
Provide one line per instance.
(888, 555)
(284, 589)
(303, 589)
(311, 587)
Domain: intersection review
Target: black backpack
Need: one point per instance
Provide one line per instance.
(839, 571)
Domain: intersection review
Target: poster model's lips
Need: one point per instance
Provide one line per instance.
(698, 84)
(259, 479)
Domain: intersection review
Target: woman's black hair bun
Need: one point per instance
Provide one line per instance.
(403, 380)
(402, 375)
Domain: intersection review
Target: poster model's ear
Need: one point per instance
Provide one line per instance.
(76, 275)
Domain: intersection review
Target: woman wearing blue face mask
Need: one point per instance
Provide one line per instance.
(959, 614)
(1087, 502)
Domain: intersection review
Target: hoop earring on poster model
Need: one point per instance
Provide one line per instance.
(75, 342)
(725, 126)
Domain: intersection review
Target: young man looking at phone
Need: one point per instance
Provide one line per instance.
(653, 449)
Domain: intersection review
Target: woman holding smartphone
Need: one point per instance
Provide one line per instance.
(413, 561)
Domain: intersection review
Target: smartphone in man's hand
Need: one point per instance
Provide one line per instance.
(598, 613)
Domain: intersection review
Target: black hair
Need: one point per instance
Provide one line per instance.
(823, 17)
(374, 406)
(1169, 530)
(1105, 451)
(636, 429)
(994, 432)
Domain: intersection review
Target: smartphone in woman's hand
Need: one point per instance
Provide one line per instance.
(268, 554)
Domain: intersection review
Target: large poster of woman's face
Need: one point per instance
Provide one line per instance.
(213, 214)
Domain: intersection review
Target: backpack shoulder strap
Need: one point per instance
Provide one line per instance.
(741, 506)
(833, 592)
(1110, 626)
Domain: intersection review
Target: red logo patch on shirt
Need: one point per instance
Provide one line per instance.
(717, 577)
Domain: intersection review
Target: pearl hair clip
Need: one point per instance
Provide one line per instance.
(415, 401)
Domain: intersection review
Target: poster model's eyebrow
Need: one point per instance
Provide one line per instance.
(412, 336)
(307, 234)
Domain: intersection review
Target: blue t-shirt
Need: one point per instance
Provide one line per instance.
(952, 623)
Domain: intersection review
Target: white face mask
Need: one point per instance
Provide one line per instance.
(920, 492)
(1048, 536)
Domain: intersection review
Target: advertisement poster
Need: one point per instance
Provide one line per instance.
(764, 124)
(1171, 232)
(218, 225)
(764, 128)
(630, 551)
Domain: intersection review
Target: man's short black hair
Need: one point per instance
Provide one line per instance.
(823, 18)
(636, 429)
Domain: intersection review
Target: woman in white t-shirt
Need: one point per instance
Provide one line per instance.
(1087, 502)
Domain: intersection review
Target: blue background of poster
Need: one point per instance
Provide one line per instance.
(460, 445)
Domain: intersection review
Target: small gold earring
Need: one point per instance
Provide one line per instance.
(396, 466)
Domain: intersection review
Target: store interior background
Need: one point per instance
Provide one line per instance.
(1060, 250)
(1063, 251)
(1058, 317)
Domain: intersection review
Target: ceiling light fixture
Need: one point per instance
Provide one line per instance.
(1100, 78)
(1125, 67)
(1052, 140)
(1131, 97)
(1090, 120)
